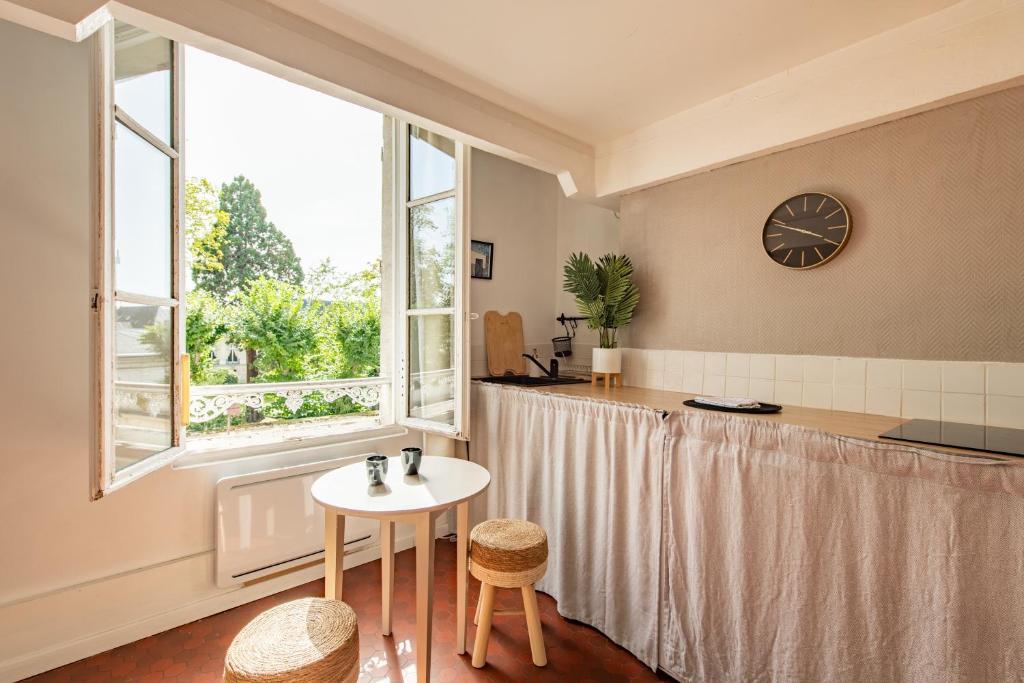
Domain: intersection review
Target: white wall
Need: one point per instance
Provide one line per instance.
(534, 228)
(76, 576)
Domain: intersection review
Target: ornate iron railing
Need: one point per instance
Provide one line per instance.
(210, 402)
(146, 398)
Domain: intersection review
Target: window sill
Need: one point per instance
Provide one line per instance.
(205, 452)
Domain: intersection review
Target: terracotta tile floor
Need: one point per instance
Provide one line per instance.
(195, 652)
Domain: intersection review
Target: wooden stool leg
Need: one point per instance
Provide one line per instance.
(483, 631)
(479, 601)
(540, 657)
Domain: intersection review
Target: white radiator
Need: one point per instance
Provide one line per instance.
(268, 522)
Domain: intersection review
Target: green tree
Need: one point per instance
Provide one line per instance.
(273, 319)
(205, 325)
(349, 325)
(252, 247)
(205, 226)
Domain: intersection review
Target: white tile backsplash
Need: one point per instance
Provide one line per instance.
(714, 364)
(817, 395)
(969, 408)
(737, 365)
(882, 401)
(762, 366)
(673, 371)
(655, 361)
(963, 378)
(1005, 411)
(788, 393)
(925, 405)
(819, 369)
(693, 363)
(633, 360)
(762, 389)
(654, 380)
(789, 368)
(971, 392)
(922, 375)
(848, 398)
(885, 374)
(851, 372)
(714, 385)
(737, 386)
(693, 382)
(1005, 379)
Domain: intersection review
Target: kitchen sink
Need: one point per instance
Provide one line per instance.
(527, 381)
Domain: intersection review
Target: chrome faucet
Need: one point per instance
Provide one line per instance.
(552, 373)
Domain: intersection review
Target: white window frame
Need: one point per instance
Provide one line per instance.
(460, 311)
(105, 478)
(394, 406)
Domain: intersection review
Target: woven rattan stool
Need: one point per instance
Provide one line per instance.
(507, 553)
(312, 639)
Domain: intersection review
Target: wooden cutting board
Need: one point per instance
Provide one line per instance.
(503, 338)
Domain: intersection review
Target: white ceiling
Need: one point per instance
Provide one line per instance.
(600, 69)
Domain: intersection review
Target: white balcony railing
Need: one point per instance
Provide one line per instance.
(142, 398)
(431, 389)
(210, 402)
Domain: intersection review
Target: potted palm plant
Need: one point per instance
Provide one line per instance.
(606, 297)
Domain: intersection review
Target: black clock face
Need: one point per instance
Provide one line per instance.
(806, 231)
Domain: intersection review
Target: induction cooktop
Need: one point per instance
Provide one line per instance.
(957, 435)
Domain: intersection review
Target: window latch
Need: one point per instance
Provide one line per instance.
(95, 304)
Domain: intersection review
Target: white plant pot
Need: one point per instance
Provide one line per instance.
(607, 360)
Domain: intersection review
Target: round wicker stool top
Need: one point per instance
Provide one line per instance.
(508, 553)
(312, 639)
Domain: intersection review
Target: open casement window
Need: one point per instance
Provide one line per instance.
(432, 245)
(138, 280)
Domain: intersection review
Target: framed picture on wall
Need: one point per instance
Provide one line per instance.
(482, 259)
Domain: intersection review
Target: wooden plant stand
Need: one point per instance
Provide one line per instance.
(611, 379)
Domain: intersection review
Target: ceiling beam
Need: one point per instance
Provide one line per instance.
(965, 50)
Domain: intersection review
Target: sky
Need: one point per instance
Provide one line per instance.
(315, 159)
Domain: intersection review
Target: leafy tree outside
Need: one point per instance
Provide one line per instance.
(205, 226)
(251, 291)
(205, 325)
(252, 246)
(272, 317)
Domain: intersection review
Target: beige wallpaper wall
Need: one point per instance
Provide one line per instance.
(934, 268)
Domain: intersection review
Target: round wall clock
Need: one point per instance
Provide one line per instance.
(806, 231)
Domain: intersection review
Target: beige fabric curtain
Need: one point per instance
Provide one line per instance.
(790, 554)
(590, 473)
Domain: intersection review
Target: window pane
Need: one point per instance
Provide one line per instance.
(432, 367)
(432, 254)
(431, 163)
(142, 78)
(142, 216)
(142, 382)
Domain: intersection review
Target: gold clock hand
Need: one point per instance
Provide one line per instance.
(796, 229)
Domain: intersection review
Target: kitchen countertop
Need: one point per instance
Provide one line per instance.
(856, 425)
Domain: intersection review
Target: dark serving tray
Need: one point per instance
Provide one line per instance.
(762, 409)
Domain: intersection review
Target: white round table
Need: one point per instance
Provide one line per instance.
(418, 499)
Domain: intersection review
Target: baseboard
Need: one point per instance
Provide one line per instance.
(131, 606)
